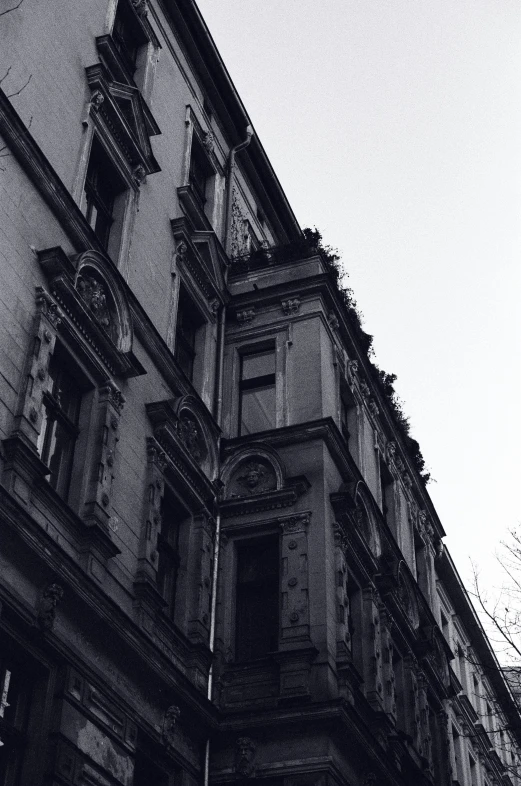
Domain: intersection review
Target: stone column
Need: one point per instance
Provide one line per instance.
(23, 465)
(99, 491)
(199, 568)
(372, 649)
(296, 651)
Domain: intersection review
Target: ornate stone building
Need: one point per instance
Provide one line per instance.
(218, 560)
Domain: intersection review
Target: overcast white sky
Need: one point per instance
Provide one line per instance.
(395, 127)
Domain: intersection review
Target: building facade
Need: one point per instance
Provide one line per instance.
(219, 561)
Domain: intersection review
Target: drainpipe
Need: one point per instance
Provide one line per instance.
(218, 417)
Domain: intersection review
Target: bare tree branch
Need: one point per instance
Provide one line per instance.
(14, 7)
(17, 92)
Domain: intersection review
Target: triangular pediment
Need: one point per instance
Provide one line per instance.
(126, 117)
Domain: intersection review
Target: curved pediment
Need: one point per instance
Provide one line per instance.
(91, 295)
(255, 480)
(100, 291)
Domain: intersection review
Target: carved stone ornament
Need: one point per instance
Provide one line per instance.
(290, 306)
(352, 369)
(239, 238)
(373, 407)
(340, 537)
(295, 523)
(169, 723)
(116, 397)
(333, 321)
(47, 306)
(254, 477)
(391, 449)
(245, 316)
(181, 251)
(141, 7)
(190, 435)
(245, 757)
(139, 174)
(96, 100)
(93, 293)
(364, 387)
(208, 142)
(50, 598)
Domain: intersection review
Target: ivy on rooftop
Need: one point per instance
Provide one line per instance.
(383, 380)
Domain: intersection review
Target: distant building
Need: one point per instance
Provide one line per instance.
(218, 560)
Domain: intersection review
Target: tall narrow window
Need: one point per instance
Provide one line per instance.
(200, 170)
(127, 35)
(257, 598)
(189, 321)
(59, 431)
(172, 515)
(14, 706)
(257, 392)
(102, 186)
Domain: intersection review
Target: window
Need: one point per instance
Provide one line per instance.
(189, 321)
(59, 432)
(172, 515)
(128, 36)
(456, 751)
(16, 692)
(473, 771)
(102, 186)
(387, 493)
(200, 170)
(257, 406)
(257, 598)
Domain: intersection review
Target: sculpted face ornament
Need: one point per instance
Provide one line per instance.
(253, 476)
(244, 757)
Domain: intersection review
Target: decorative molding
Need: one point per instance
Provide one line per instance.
(290, 306)
(89, 293)
(296, 522)
(245, 316)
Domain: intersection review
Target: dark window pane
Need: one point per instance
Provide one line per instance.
(59, 424)
(188, 322)
(102, 185)
(258, 364)
(257, 602)
(172, 514)
(257, 409)
(126, 35)
(200, 170)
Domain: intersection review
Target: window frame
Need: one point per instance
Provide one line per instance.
(54, 413)
(169, 547)
(114, 216)
(260, 382)
(186, 305)
(241, 646)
